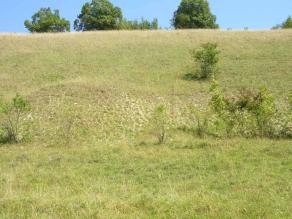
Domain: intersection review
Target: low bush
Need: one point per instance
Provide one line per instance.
(202, 122)
(249, 113)
(286, 120)
(12, 118)
(159, 124)
(207, 58)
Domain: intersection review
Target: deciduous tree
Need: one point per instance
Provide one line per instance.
(46, 20)
(98, 15)
(194, 14)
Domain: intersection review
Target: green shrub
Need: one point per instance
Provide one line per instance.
(12, 118)
(283, 124)
(249, 113)
(218, 106)
(260, 109)
(202, 122)
(286, 130)
(207, 58)
(159, 124)
(264, 110)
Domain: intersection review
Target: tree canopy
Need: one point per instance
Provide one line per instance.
(98, 15)
(139, 25)
(46, 20)
(194, 14)
(287, 23)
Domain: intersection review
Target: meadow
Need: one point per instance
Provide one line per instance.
(92, 95)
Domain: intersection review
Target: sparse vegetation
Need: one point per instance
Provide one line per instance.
(202, 121)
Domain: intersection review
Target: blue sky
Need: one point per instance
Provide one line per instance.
(235, 14)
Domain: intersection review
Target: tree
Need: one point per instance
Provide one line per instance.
(194, 14)
(98, 15)
(139, 25)
(46, 20)
(288, 23)
(154, 24)
(285, 25)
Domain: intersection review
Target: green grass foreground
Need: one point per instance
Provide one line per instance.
(93, 93)
(195, 179)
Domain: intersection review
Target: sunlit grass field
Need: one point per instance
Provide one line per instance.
(92, 95)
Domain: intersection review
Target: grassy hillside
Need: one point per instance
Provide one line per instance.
(136, 60)
(93, 93)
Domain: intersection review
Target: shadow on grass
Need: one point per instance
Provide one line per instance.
(193, 77)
